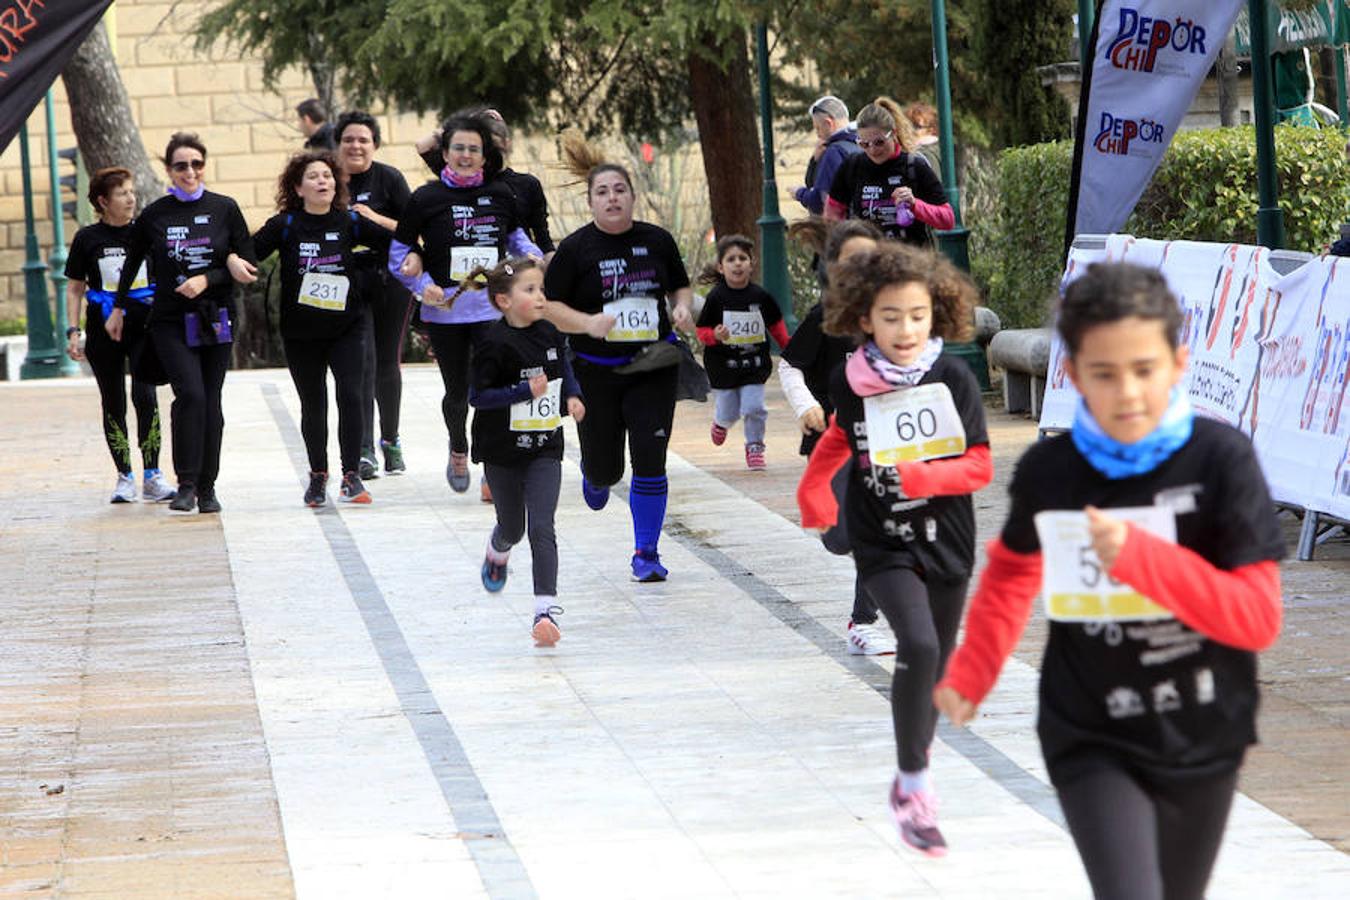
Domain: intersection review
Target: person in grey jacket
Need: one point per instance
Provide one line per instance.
(836, 142)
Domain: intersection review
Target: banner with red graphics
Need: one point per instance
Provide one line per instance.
(1269, 355)
(1149, 60)
(37, 39)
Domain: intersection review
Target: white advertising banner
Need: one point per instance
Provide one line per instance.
(1269, 354)
(1151, 57)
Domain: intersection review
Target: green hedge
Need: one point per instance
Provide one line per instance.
(1205, 190)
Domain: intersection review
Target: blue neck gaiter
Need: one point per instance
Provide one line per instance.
(1116, 460)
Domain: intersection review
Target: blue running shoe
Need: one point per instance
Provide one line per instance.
(647, 565)
(494, 575)
(596, 497)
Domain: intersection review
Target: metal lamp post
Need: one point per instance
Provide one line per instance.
(43, 359)
(57, 260)
(1269, 218)
(952, 243)
(772, 227)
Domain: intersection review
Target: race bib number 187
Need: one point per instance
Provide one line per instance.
(913, 424)
(464, 260)
(1075, 585)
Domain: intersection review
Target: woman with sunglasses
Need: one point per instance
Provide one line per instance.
(890, 183)
(465, 219)
(195, 241)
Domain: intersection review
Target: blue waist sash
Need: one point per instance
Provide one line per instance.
(104, 299)
(672, 338)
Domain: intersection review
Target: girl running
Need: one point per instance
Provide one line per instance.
(909, 422)
(522, 384)
(609, 285)
(323, 320)
(804, 371)
(890, 183)
(734, 325)
(93, 269)
(466, 218)
(1154, 537)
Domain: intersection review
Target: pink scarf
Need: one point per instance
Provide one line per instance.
(451, 179)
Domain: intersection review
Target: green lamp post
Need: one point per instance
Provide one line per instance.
(1269, 218)
(57, 260)
(43, 359)
(772, 227)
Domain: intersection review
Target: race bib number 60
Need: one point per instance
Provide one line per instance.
(324, 291)
(542, 413)
(913, 424)
(745, 327)
(1075, 584)
(635, 319)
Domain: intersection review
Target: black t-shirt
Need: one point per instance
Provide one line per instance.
(321, 245)
(592, 268)
(507, 357)
(385, 190)
(182, 240)
(532, 206)
(96, 255)
(866, 188)
(444, 218)
(933, 536)
(816, 355)
(734, 365)
(1157, 694)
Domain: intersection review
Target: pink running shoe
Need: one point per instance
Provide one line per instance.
(916, 818)
(719, 435)
(754, 457)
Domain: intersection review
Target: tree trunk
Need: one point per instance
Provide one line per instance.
(100, 115)
(724, 107)
(1227, 68)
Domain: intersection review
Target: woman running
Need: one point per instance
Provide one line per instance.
(93, 268)
(465, 219)
(1153, 537)
(378, 193)
(610, 285)
(909, 424)
(195, 240)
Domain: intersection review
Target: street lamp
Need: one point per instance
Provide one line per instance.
(772, 227)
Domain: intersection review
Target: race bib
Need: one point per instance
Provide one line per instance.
(1075, 585)
(464, 260)
(542, 413)
(110, 271)
(913, 424)
(324, 291)
(745, 327)
(635, 319)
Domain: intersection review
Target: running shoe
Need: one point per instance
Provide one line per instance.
(647, 565)
(865, 639)
(494, 573)
(916, 817)
(485, 492)
(457, 472)
(125, 491)
(595, 497)
(154, 488)
(368, 467)
(317, 492)
(754, 456)
(546, 632)
(353, 491)
(207, 501)
(393, 457)
(719, 435)
(184, 500)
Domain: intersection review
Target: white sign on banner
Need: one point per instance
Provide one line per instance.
(1150, 59)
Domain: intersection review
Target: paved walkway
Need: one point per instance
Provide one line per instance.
(276, 702)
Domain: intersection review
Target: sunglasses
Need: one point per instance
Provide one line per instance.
(469, 149)
(196, 165)
(879, 142)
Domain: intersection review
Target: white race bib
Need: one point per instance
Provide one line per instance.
(913, 424)
(110, 271)
(324, 291)
(745, 327)
(1075, 586)
(464, 260)
(542, 413)
(635, 319)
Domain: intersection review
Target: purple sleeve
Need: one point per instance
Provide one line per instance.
(519, 244)
(398, 251)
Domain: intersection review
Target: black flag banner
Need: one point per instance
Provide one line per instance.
(37, 39)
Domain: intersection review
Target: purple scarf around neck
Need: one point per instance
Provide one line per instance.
(186, 197)
(451, 179)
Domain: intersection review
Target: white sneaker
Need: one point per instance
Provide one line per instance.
(869, 640)
(125, 492)
(155, 489)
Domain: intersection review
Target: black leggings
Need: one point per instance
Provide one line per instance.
(454, 346)
(529, 490)
(108, 359)
(387, 314)
(197, 375)
(309, 362)
(640, 407)
(836, 541)
(1145, 841)
(924, 616)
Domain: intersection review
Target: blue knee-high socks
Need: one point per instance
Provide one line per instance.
(647, 501)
